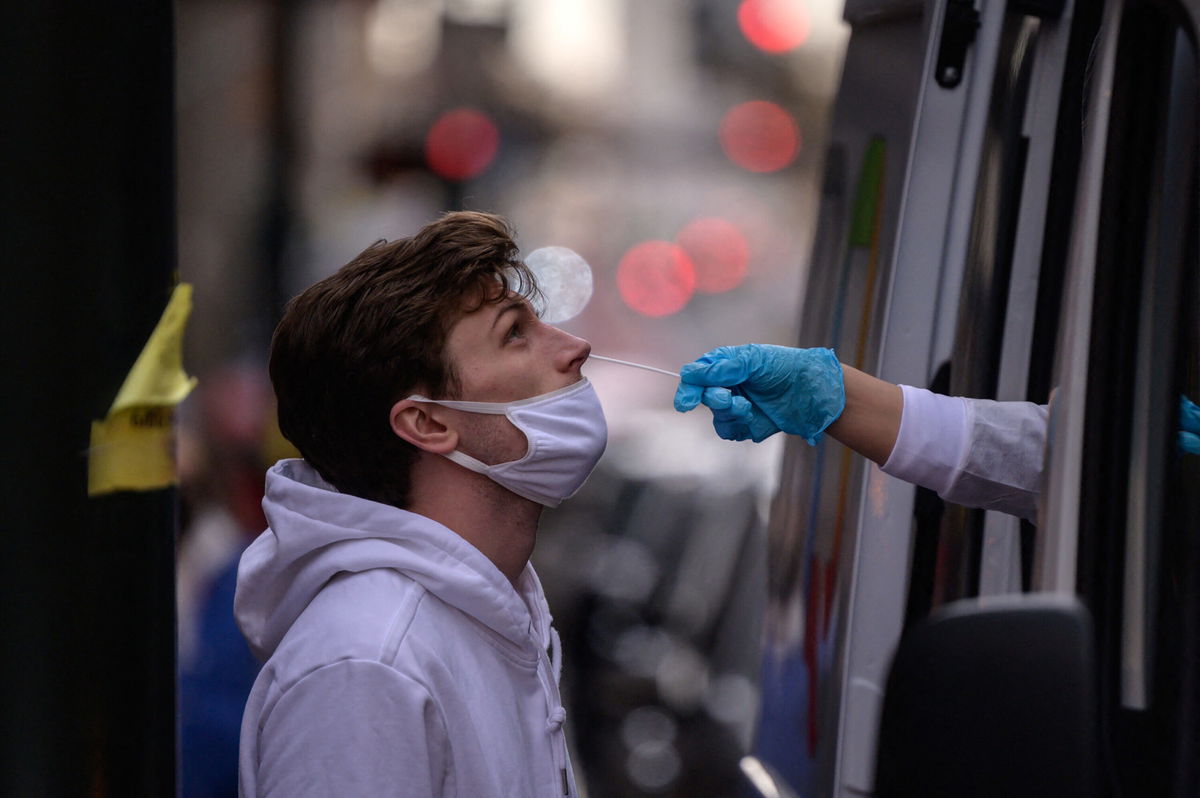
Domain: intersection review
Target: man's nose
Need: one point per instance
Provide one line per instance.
(572, 352)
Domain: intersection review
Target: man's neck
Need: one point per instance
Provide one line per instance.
(493, 519)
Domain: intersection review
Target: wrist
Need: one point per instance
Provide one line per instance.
(870, 422)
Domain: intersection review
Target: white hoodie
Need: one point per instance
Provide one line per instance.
(399, 660)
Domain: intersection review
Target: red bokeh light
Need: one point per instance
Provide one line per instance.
(774, 26)
(719, 252)
(760, 136)
(656, 278)
(461, 144)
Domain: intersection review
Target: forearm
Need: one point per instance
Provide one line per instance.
(871, 421)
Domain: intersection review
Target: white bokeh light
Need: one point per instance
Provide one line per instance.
(565, 281)
(575, 48)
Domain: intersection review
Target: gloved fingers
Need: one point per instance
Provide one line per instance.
(723, 399)
(761, 432)
(743, 421)
(1189, 415)
(724, 366)
(732, 415)
(726, 406)
(742, 406)
(1189, 443)
(731, 430)
(688, 396)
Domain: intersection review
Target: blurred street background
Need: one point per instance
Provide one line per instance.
(676, 145)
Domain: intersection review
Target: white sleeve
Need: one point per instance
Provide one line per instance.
(973, 452)
(353, 728)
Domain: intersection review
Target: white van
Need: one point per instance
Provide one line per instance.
(1009, 212)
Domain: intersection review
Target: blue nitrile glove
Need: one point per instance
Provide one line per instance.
(1189, 426)
(799, 391)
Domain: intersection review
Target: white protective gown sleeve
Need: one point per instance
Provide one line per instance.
(973, 452)
(354, 728)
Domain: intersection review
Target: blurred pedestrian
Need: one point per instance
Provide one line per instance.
(225, 437)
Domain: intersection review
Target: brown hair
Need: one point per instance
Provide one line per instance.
(355, 343)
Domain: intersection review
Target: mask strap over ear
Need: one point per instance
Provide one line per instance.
(492, 408)
(502, 408)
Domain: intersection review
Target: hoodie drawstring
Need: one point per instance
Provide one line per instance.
(556, 655)
(557, 715)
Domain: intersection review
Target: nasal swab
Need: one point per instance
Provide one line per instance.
(636, 365)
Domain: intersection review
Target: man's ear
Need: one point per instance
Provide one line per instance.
(422, 424)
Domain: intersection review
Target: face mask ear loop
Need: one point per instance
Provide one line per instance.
(463, 459)
(467, 461)
(491, 408)
(503, 408)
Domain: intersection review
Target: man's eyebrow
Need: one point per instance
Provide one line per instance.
(517, 304)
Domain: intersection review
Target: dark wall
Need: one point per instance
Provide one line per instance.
(87, 242)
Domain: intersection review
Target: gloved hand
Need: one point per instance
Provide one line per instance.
(1189, 426)
(799, 391)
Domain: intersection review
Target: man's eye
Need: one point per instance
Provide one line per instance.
(514, 332)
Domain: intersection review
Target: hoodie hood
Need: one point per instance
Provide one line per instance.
(314, 532)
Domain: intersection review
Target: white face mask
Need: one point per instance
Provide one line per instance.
(566, 432)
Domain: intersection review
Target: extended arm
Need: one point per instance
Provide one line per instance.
(973, 452)
(757, 390)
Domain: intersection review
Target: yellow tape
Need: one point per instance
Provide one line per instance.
(157, 378)
(133, 448)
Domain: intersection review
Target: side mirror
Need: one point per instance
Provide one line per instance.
(992, 698)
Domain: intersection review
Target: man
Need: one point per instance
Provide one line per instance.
(403, 630)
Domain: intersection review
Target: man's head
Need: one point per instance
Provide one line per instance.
(444, 314)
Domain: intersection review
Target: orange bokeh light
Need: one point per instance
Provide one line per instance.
(656, 278)
(760, 136)
(461, 144)
(774, 26)
(719, 252)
